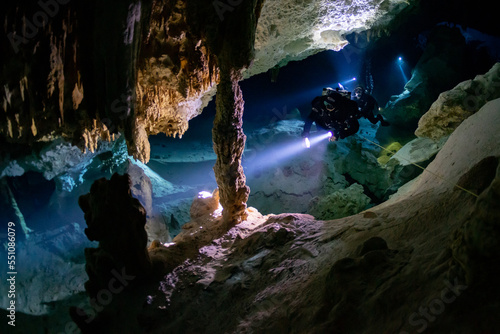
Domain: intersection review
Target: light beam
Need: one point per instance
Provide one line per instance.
(280, 153)
(400, 64)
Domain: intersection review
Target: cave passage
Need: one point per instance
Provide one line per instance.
(272, 121)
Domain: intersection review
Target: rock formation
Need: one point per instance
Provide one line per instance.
(205, 204)
(317, 25)
(60, 79)
(454, 106)
(116, 220)
(342, 203)
(229, 142)
(176, 76)
(234, 51)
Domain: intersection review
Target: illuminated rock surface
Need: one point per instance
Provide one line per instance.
(454, 106)
(293, 30)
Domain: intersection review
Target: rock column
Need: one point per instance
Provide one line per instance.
(229, 143)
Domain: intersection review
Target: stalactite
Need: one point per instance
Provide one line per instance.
(17, 212)
(56, 75)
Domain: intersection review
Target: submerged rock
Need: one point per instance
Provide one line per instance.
(342, 203)
(454, 106)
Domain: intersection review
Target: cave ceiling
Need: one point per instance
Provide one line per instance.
(90, 72)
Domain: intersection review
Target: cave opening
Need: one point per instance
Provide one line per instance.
(277, 102)
(276, 105)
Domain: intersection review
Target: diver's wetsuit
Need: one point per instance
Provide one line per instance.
(367, 105)
(342, 120)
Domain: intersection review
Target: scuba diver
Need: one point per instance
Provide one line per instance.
(367, 105)
(333, 111)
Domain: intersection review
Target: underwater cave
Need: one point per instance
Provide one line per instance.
(157, 174)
